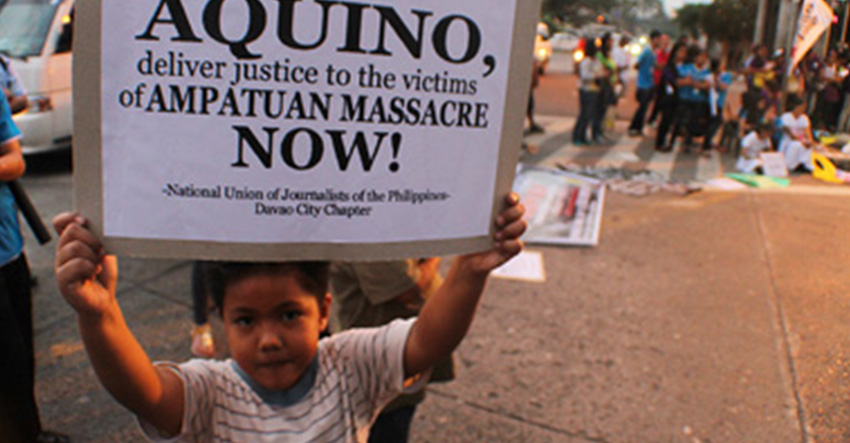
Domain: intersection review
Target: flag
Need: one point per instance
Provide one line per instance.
(815, 18)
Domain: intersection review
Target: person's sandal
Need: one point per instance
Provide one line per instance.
(202, 341)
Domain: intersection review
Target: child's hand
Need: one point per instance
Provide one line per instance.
(86, 276)
(507, 244)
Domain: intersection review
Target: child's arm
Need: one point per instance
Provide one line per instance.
(446, 317)
(87, 278)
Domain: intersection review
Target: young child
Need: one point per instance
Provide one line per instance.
(282, 382)
(752, 146)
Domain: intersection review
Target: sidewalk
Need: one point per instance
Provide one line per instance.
(715, 317)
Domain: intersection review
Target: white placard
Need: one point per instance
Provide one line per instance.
(773, 164)
(305, 122)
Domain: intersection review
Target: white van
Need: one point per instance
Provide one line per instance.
(36, 35)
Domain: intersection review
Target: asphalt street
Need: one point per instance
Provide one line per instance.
(715, 317)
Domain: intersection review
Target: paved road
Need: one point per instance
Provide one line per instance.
(716, 317)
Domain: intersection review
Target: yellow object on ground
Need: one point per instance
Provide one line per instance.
(825, 170)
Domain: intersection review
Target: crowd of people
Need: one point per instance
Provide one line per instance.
(682, 93)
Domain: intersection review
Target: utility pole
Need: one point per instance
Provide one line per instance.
(761, 22)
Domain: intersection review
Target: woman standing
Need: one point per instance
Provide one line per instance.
(668, 101)
(607, 94)
(590, 75)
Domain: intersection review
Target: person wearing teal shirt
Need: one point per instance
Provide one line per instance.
(19, 417)
(645, 83)
(693, 96)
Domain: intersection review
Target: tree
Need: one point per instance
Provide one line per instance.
(728, 22)
(625, 12)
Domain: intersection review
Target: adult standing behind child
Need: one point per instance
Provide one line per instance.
(371, 294)
(282, 382)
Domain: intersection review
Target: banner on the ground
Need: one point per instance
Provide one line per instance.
(561, 208)
(276, 129)
(815, 18)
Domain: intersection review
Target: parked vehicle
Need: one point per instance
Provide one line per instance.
(37, 36)
(543, 53)
(564, 42)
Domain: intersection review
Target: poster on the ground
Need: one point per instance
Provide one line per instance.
(773, 164)
(562, 208)
(275, 129)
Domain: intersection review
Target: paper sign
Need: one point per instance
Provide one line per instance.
(773, 164)
(527, 266)
(561, 208)
(261, 129)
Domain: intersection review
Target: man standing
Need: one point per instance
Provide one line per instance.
(12, 88)
(645, 83)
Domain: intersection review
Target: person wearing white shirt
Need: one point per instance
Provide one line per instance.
(752, 146)
(797, 139)
(623, 60)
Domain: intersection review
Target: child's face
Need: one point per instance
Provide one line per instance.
(273, 328)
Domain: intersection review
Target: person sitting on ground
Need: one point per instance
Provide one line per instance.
(282, 382)
(797, 139)
(752, 146)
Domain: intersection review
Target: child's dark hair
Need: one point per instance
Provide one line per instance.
(312, 276)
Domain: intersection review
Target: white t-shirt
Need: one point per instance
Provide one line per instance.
(798, 126)
(752, 145)
(356, 374)
(589, 71)
(623, 60)
(621, 57)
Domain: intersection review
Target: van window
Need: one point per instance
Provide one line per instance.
(24, 25)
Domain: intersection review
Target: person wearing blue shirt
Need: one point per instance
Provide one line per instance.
(645, 82)
(19, 420)
(12, 87)
(720, 81)
(694, 96)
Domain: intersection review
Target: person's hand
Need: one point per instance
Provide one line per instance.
(86, 276)
(510, 227)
